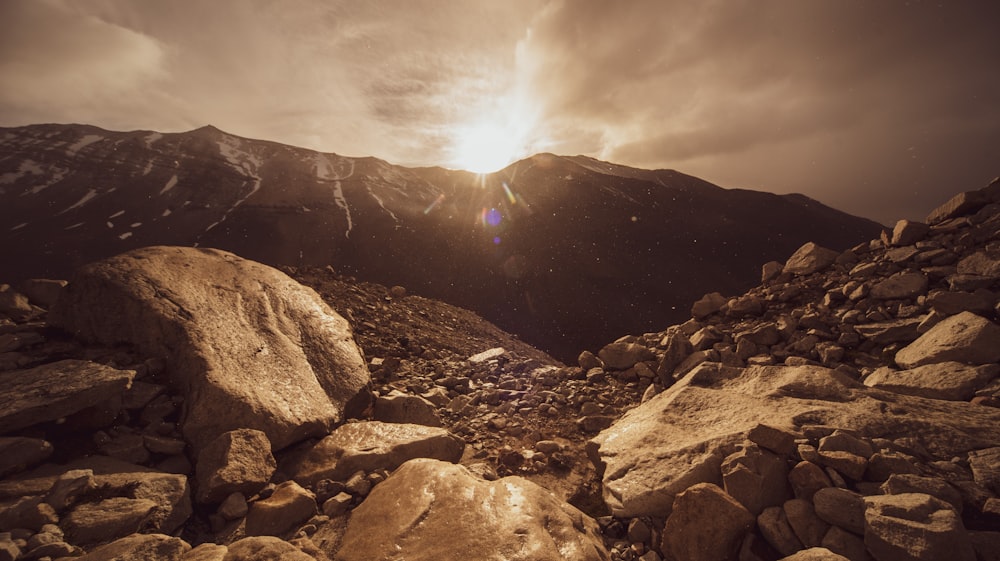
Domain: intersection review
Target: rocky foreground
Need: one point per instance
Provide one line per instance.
(187, 404)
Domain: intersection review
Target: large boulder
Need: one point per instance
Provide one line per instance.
(915, 526)
(249, 346)
(695, 424)
(429, 510)
(809, 259)
(238, 461)
(964, 337)
(705, 524)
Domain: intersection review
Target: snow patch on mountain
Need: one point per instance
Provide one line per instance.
(170, 185)
(149, 139)
(83, 200)
(326, 171)
(244, 161)
(26, 167)
(117, 214)
(87, 140)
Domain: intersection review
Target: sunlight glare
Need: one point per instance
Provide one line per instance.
(486, 147)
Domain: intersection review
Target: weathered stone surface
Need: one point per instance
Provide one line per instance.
(251, 347)
(429, 510)
(621, 355)
(842, 542)
(696, 423)
(68, 486)
(810, 258)
(42, 292)
(402, 408)
(265, 548)
(894, 331)
(943, 380)
(985, 466)
(26, 512)
(914, 526)
(774, 526)
(964, 337)
(807, 525)
(815, 554)
(756, 478)
(899, 483)
(949, 303)
(55, 390)
(19, 452)
(899, 286)
(982, 263)
(237, 461)
(961, 204)
(907, 232)
(106, 520)
(367, 446)
(841, 507)
(206, 552)
(288, 507)
(140, 547)
(704, 524)
(707, 305)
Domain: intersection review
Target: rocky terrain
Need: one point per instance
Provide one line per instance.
(521, 247)
(188, 404)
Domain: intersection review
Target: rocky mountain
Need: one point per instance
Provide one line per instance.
(567, 252)
(187, 404)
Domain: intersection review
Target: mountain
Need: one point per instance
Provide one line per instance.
(567, 252)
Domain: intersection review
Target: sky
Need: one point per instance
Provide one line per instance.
(881, 108)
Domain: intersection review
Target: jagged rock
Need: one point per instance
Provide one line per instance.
(18, 453)
(696, 423)
(398, 407)
(775, 439)
(140, 547)
(206, 552)
(842, 542)
(42, 292)
(964, 337)
(238, 461)
(900, 286)
(985, 466)
(233, 507)
(982, 264)
(899, 483)
(288, 507)
(756, 478)
(622, 355)
(807, 478)
(810, 258)
(815, 554)
(949, 303)
(841, 507)
(942, 380)
(707, 305)
(264, 548)
(894, 331)
(704, 524)
(68, 486)
(251, 347)
(26, 512)
(777, 531)
(960, 204)
(907, 232)
(368, 446)
(510, 518)
(106, 520)
(914, 526)
(55, 390)
(770, 271)
(809, 528)
(13, 304)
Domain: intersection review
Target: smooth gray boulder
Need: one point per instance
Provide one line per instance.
(429, 510)
(249, 346)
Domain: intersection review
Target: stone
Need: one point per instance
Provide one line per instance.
(68, 486)
(807, 478)
(588, 360)
(942, 380)
(899, 483)
(815, 554)
(622, 355)
(42, 292)
(265, 548)
(841, 507)
(900, 286)
(986, 544)
(809, 528)
(744, 306)
(773, 525)
(914, 526)
(707, 305)
(338, 504)
(847, 464)
(285, 510)
(370, 445)
(770, 271)
(415, 510)
(106, 520)
(907, 232)
(26, 512)
(964, 337)
(486, 355)
(14, 305)
(237, 461)
(251, 347)
(985, 466)
(842, 542)
(893, 331)
(398, 407)
(206, 552)
(55, 390)
(981, 264)
(959, 205)
(841, 441)
(140, 547)
(776, 439)
(233, 507)
(947, 302)
(756, 478)
(18, 453)
(704, 524)
(810, 258)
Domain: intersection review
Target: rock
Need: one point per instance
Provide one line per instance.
(943, 380)
(900, 483)
(234, 507)
(908, 233)
(845, 543)
(815, 554)
(510, 518)
(13, 304)
(18, 453)
(707, 305)
(949, 303)
(337, 505)
(56, 390)
(773, 525)
(900, 286)
(265, 548)
(964, 337)
(914, 526)
(140, 547)
(959, 205)
(809, 259)
(981, 264)
(206, 552)
(68, 486)
(705, 524)
(807, 479)
(841, 507)
(26, 512)
(809, 528)
(756, 478)
(622, 356)
(398, 407)
(368, 446)
(106, 520)
(251, 347)
(770, 271)
(985, 466)
(776, 439)
(237, 461)
(895, 331)
(42, 292)
(285, 510)
(588, 360)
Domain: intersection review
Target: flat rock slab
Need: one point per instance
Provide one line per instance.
(368, 446)
(943, 380)
(249, 346)
(681, 436)
(55, 390)
(429, 510)
(963, 337)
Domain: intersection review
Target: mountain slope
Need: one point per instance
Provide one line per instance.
(565, 251)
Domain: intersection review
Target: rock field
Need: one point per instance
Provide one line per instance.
(190, 405)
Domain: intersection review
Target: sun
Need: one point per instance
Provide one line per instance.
(486, 147)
